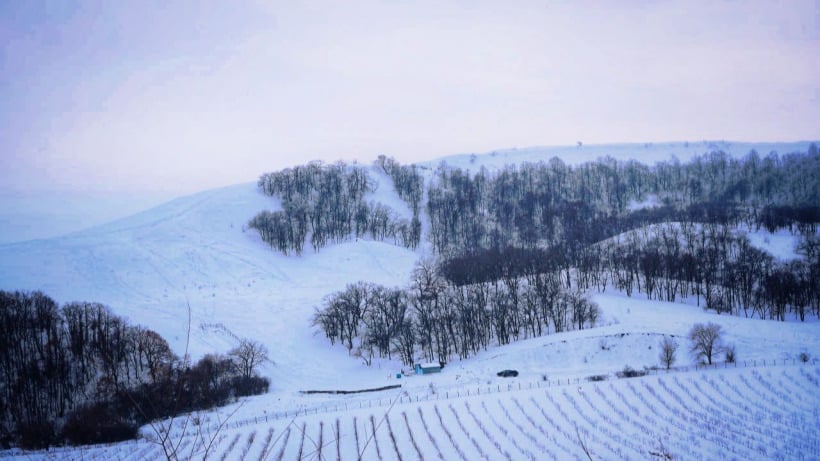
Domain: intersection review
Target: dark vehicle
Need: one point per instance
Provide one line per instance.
(508, 373)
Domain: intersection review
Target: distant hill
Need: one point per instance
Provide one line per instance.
(197, 251)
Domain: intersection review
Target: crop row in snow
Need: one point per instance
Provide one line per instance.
(758, 413)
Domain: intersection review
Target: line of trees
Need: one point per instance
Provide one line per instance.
(460, 305)
(325, 204)
(577, 221)
(544, 204)
(514, 249)
(437, 318)
(667, 262)
(548, 204)
(80, 374)
(709, 262)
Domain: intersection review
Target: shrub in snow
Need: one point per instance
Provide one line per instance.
(97, 423)
(730, 353)
(629, 372)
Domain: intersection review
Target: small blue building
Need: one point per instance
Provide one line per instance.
(427, 368)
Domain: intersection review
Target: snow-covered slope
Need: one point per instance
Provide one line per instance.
(648, 153)
(194, 251)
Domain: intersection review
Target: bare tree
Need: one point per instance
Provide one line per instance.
(706, 340)
(669, 348)
(154, 351)
(248, 355)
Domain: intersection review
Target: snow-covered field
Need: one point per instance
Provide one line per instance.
(728, 413)
(195, 252)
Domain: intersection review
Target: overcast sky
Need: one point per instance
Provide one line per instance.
(177, 97)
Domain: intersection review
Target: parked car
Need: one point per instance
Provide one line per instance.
(508, 373)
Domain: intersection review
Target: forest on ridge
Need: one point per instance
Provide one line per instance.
(515, 250)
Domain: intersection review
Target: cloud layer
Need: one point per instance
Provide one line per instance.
(134, 96)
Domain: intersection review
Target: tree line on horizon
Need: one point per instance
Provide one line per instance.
(551, 203)
(541, 204)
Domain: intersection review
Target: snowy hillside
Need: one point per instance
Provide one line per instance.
(196, 252)
(647, 153)
(763, 407)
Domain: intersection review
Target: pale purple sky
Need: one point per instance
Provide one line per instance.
(176, 97)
